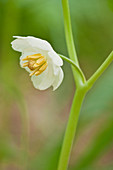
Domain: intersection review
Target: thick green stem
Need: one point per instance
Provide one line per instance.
(71, 129)
(100, 70)
(79, 95)
(68, 32)
(74, 115)
(70, 41)
(82, 88)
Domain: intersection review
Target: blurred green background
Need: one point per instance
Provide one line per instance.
(37, 146)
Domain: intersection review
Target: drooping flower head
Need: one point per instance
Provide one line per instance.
(40, 60)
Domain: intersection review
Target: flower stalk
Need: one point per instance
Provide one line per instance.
(77, 68)
(68, 32)
(71, 129)
(100, 70)
(70, 41)
(82, 87)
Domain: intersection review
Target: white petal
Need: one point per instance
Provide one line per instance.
(58, 79)
(44, 80)
(55, 58)
(41, 44)
(22, 43)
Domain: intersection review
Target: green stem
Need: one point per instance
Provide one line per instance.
(68, 32)
(79, 95)
(70, 41)
(77, 69)
(100, 70)
(74, 115)
(71, 129)
(82, 88)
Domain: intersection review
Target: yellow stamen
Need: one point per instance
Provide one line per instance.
(41, 69)
(25, 64)
(34, 56)
(41, 61)
(36, 63)
(31, 64)
(37, 73)
(44, 66)
(32, 73)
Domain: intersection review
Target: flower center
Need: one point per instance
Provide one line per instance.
(36, 63)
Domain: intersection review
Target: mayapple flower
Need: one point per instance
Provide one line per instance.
(40, 60)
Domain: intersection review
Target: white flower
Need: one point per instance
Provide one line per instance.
(40, 60)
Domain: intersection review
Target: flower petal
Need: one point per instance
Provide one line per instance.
(44, 80)
(41, 44)
(55, 58)
(22, 43)
(58, 79)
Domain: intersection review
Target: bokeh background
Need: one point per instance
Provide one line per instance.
(32, 122)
